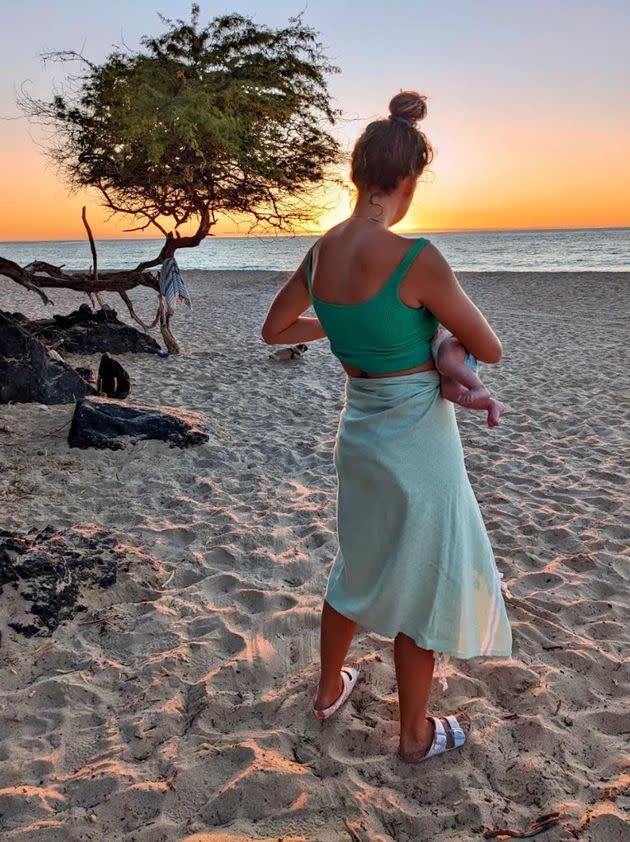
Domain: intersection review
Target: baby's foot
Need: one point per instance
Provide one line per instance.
(495, 411)
(477, 398)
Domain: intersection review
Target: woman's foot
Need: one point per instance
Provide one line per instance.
(327, 695)
(413, 749)
(328, 703)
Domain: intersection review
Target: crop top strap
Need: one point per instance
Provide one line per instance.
(395, 278)
(309, 270)
(403, 267)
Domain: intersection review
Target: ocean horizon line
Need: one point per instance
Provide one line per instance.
(561, 249)
(236, 236)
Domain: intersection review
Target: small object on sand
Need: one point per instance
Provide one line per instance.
(295, 352)
(169, 580)
(164, 354)
(352, 831)
(113, 381)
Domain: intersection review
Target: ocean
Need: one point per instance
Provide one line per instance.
(599, 249)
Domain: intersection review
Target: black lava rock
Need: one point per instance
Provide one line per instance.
(28, 375)
(85, 331)
(49, 569)
(99, 422)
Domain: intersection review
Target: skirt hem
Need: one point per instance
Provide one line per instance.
(422, 642)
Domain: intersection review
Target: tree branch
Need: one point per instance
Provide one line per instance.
(144, 227)
(176, 241)
(137, 318)
(67, 55)
(17, 274)
(40, 275)
(92, 246)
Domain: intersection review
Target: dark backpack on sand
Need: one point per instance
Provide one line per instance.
(112, 380)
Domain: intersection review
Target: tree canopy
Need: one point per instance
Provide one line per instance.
(228, 118)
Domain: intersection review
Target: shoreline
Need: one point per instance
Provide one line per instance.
(459, 272)
(522, 250)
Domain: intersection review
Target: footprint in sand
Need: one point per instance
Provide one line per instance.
(541, 581)
(256, 601)
(223, 583)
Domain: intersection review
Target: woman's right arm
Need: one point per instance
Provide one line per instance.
(284, 321)
(440, 292)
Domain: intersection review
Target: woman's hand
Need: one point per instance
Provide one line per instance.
(285, 322)
(440, 292)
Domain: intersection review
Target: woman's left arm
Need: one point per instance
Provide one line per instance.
(285, 322)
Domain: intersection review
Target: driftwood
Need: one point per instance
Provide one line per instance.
(95, 298)
(39, 276)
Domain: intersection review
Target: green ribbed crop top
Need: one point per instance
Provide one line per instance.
(381, 334)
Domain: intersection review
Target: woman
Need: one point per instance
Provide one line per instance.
(414, 560)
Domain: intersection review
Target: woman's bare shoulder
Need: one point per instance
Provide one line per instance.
(429, 272)
(372, 242)
(432, 256)
(430, 266)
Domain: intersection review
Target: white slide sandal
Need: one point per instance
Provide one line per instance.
(440, 739)
(349, 676)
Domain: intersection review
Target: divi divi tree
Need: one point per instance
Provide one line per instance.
(201, 121)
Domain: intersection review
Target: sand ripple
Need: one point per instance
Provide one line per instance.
(177, 705)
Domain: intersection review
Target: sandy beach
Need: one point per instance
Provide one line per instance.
(177, 705)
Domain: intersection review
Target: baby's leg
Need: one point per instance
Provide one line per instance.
(451, 390)
(451, 363)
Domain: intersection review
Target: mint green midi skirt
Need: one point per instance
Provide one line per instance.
(414, 555)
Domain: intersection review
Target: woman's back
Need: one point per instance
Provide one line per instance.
(356, 281)
(353, 260)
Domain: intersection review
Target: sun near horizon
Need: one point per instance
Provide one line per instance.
(469, 186)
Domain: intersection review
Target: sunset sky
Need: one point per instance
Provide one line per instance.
(529, 110)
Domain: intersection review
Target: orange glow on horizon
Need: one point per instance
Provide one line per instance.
(516, 175)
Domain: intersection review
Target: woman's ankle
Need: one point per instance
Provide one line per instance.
(328, 692)
(421, 732)
(419, 736)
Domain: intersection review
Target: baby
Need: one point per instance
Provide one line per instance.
(459, 382)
